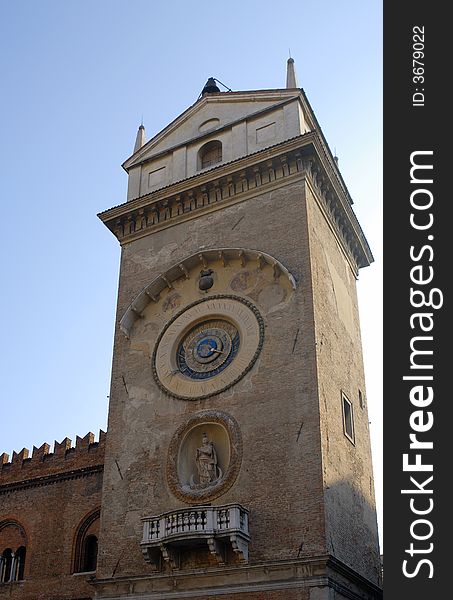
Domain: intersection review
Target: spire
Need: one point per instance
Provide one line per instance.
(291, 79)
(140, 139)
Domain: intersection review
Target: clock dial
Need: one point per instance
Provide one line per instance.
(207, 347)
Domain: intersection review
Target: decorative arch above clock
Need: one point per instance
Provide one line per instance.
(248, 264)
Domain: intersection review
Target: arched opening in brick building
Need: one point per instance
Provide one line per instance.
(12, 565)
(86, 544)
(6, 564)
(13, 543)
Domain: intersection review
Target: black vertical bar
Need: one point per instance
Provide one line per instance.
(418, 256)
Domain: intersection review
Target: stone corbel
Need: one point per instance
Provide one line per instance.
(170, 556)
(270, 170)
(192, 200)
(152, 556)
(216, 549)
(240, 547)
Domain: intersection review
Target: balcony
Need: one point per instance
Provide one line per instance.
(165, 535)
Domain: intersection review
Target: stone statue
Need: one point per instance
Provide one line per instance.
(206, 460)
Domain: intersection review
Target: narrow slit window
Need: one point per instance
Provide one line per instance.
(348, 418)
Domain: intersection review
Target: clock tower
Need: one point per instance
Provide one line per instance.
(238, 459)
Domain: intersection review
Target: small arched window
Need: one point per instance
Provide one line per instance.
(6, 565)
(210, 154)
(90, 553)
(86, 544)
(20, 563)
(13, 544)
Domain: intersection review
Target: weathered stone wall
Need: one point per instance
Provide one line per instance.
(347, 469)
(275, 404)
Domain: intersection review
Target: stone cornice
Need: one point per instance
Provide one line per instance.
(343, 569)
(302, 157)
(50, 479)
(206, 176)
(261, 577)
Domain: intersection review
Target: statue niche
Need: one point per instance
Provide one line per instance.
(204, 456)
(209, 472)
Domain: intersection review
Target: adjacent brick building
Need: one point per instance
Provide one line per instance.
(237, 462)
(49, 521)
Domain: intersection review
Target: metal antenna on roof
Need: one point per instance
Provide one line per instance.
(211, 87)
(225, 86)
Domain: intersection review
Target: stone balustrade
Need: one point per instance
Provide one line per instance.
(165, 534)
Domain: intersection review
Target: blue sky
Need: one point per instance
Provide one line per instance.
(77, 78)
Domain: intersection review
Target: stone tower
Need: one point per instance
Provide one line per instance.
(238, 456)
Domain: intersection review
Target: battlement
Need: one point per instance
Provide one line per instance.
(64, 458)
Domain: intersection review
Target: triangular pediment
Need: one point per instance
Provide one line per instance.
(211, 113)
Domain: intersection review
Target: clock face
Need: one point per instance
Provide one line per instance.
(208, 347)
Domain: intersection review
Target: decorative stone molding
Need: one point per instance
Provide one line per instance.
(16, 525)
(179, 481)
(235, 310)
(216, 525)
(191, 266)
(277, 577)
(50, 479)
(304, 156)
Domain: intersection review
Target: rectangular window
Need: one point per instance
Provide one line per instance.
(348, 418)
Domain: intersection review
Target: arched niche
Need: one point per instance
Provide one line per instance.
(209, 155)
(212, 429)
(248, 266)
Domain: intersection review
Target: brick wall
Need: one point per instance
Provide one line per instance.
(46, 501)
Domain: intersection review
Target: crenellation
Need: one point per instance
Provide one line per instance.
(19, 457)
(65, 457)
(60, 448)
(41, 452)
(85, 442)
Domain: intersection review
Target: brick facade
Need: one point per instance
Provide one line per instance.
(47, 502)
